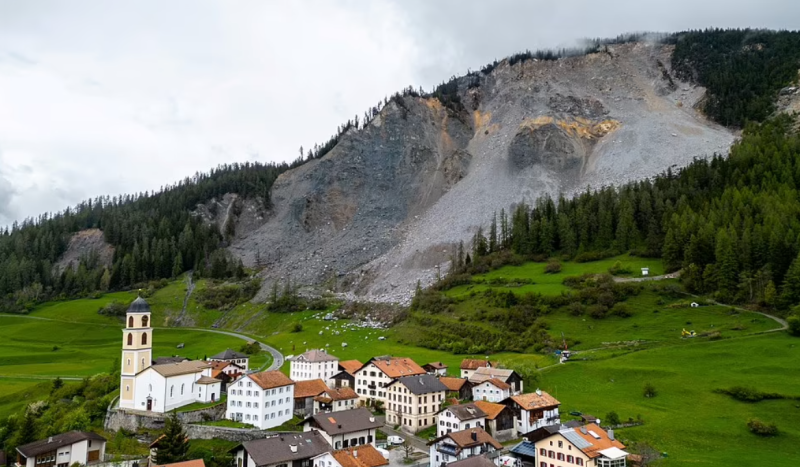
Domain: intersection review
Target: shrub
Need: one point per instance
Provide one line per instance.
(612, 418)
(760, 428)
(114, 308)
(746, 394)
(589, 256)
(250, 348)
(618, 269)
(649, 390)
(794, 325)
(597, 311)
(621, 310)
(553, 267)
(297, 327)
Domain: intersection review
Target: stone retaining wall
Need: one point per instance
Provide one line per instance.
(133, 420)
(229, 434)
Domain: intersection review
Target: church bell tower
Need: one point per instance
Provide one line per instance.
(137, 353)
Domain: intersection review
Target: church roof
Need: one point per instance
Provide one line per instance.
(139, 306)
(207, 380)
(180, 368)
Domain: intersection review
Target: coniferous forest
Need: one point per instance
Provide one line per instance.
(730, 224)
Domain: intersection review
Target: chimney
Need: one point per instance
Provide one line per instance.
(355, 453)
(611, 435)
(474, 435)
(583, 430)
(538, 392)
(50, 439)
(372, 419)
(293, 447)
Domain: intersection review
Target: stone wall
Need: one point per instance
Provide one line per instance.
(228, 434)
(133, 420)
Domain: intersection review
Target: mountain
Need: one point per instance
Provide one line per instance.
(387, 204)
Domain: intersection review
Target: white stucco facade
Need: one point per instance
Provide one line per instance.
(447, 422)
(487, 391)
(314, 364)
(169, 392)
(249, 403)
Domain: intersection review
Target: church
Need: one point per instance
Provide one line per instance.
(158, 388)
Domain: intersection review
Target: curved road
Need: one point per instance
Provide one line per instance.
(277, 357)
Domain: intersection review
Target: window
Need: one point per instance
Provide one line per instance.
(561, 444)
(280, 413)
(233, 403)
(551, 454)
(249, 393)
(142, 363)
(127, 388)
(144, 321)
(144, 339)
(171, 390)
(255, 417)
(249, 384)
(129, 362)
(542, 452)
(130, 322)
(560, 456)
(182, 387)
(130, 339)
(570, 459)
(579, 461)
(255, 405)
(150, 387)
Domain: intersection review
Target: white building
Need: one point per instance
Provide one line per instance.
(491, 390)
(335, 400)
(314, 364)
(533, 411)
(241, 360)
(470, 365)
(372, 378)
(510, 377)
(74, 447)
(592, 447)
(158, 388)
(413, 401)
(346, 428)
(459, 418)
(460, 445)
(263, 399)
(295, 450)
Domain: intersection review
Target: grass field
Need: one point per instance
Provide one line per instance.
(551, 284)
(686, 419)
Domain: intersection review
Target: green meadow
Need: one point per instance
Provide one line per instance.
(531, 277)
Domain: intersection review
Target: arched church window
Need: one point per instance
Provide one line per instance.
(171, 390)
(130, 339)
(144, 321)
(130, 322)
(182, 385)
(144, 339)
(150, 387)
(142, 363)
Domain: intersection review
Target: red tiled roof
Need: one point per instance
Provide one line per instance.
(270, 379)
(314, 387)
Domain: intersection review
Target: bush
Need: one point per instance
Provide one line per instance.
(297, 327)
(621, 310)
(553, 267)
(760, 428)
(649, 390)
(794, 325)
(114, 308)
(251, 348)
(590, 256)
(618, 269)
(612, 419)
(746, 394)
(226, 296)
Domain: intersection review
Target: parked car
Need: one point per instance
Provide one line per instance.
(394, 440)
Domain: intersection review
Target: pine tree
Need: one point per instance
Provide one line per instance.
(493, 235)
(173, 446)
(726, 262)
(27, 432)
(790, 292)
(177, 266)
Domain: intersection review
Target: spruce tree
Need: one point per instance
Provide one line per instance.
(173, 446)
(790, 293)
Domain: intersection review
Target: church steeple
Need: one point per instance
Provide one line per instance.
(137, 342)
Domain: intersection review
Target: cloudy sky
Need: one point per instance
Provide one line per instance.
(107, 97)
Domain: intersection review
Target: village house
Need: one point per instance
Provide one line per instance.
(263, 399)
(510, 377)
(285, 450)
(314, 364)
(470, 365)
(474, 461)
(435, 368)
(413, 401)
(533, 411)
(304, 394)
(458, 388)
(459, 418)
(225, 372)
(346, 428)
(158, 388)
(73, 447)
(242, 360)
(588, 445)
(372, 378)
(364, 455)
(499, 420)
(346, 374)
(460, 445)
(491, 390)
(335, 400)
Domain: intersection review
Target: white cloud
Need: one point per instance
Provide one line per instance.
(102, 97)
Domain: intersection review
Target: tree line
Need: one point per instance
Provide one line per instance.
(731, 224)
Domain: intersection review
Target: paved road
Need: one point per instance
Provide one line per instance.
(415, 441)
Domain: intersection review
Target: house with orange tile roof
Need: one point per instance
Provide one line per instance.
(436, 368)
(335, 400)
(459, 417)
(533, 411)
(364, 455)
(460, 388)
(500, 421)
(346, 375)
(263, 399)
(491, 390)
(460, 445)
(373, 377)
(507, 376)
(469, 365)
(304, 394)
(588, 445)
